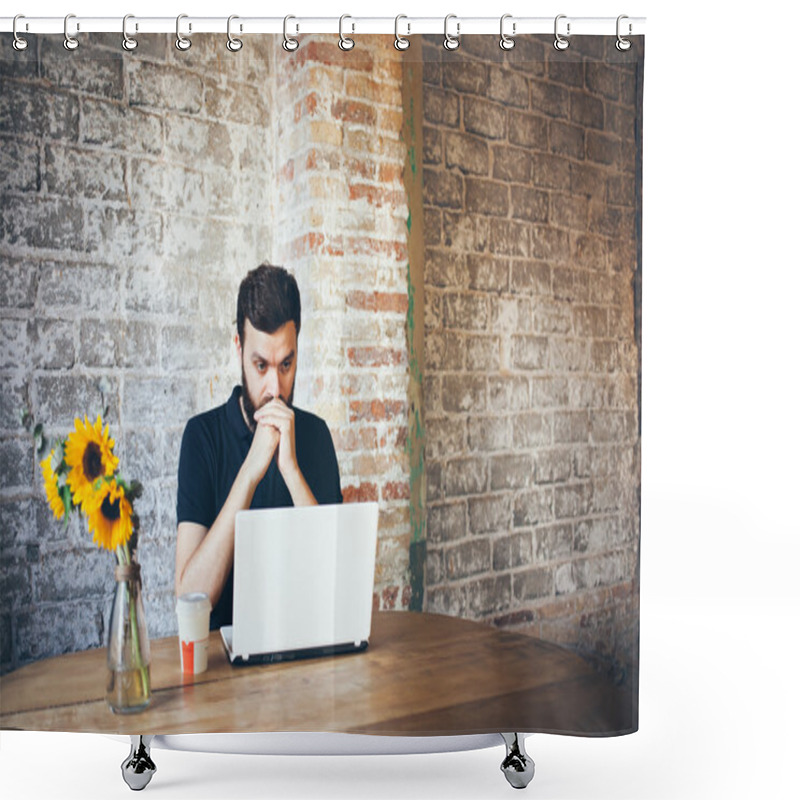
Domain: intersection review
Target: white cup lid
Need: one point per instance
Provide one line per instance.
(193, 602)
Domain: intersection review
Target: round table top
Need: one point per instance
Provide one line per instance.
(422, 675)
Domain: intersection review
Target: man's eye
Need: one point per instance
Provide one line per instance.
(260, 366)
(286, 366)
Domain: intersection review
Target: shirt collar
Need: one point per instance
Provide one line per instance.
(233, 411)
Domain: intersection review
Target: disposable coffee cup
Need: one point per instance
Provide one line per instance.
(194, 613)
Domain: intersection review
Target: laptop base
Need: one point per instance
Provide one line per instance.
(226, 632)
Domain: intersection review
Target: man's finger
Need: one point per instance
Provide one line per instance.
(273, 420)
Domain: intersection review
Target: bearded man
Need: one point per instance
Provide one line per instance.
(255, 451)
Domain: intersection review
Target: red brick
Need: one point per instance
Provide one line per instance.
(306, 107)
(328, 52)
(396, 490)
(361, 86)
(316, 243)
(375, 195)
(387, 93)
(376, 410)
(352, 439)
(375, 356)
(390, 173)
(375, 464)
(327, 159)
(390, 120)
(286, 173)
(378, 301)
(363, 493)
(396, 436)
(389, 597)
(353, 111)
(360, 167)
(363, 245)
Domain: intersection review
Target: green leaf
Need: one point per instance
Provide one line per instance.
(66, 499)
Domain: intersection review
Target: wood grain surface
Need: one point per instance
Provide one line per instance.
(423, 674)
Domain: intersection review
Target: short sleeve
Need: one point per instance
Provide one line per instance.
(319, 464)
(195, 477)
(334, 488)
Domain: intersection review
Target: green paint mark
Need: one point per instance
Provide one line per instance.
(417, 555)
(415, 442)
(412, 150)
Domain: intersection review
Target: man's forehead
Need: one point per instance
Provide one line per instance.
(280, 344)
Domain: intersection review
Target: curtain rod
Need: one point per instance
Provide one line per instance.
(406, 26)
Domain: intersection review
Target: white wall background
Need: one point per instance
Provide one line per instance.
(720, 533)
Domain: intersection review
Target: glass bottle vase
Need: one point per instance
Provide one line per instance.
(128, 687)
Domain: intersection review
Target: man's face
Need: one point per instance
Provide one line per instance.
(269, 365)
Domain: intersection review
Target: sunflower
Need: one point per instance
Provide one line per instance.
(110, 520)
(89, 454)
(51, 486)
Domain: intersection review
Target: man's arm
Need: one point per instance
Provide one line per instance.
(204, 556)
(277, 414)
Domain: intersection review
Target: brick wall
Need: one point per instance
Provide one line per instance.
(340, 221)
(136, 191)
(135, 186)
(532, 341)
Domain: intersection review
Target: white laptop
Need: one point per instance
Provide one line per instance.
(302, 582)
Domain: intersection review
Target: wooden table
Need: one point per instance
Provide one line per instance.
(423, 674)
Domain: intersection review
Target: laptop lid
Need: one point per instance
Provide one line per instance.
(303, 578)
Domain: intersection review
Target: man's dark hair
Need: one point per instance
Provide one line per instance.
(269, 298)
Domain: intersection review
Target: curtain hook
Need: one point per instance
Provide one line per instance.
(289, 44)
(346, 43)
(19, 43)
(400, 42)
(234, 45)
(451, 42)
(623, 44)
(181, 42)
(128, 43)
(506, 42)
(70, 42)
(561, 42)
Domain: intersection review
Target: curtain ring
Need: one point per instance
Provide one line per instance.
(181, 42)
(506, 42)
(289, 44)
(623, 44)
(451, 42)
(70, 42)
(128, 43)
(19, 43)
(400, 42)
(345, 43)
(561, 42)
(234, 45)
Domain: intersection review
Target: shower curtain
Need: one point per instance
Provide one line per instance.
(465, 230)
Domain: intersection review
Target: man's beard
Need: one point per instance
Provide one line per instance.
(249, 407)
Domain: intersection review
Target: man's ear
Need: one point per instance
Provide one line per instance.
(238, 344)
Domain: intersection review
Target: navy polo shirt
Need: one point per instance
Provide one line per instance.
(213, 449)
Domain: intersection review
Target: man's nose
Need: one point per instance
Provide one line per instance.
(272, 385)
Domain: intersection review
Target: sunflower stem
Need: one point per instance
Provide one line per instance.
(124, 559)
